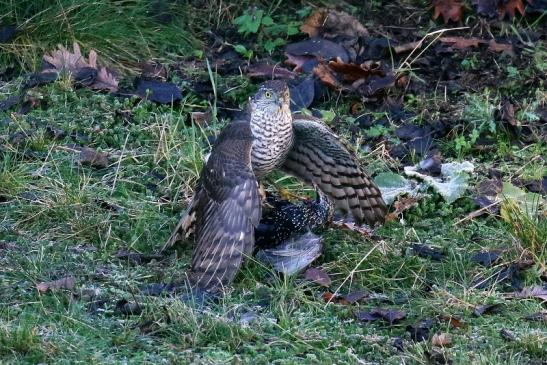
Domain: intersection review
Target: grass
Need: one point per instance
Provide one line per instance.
(125, 32)
(59, 218)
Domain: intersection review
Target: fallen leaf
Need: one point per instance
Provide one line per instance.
(487, 8)
(454, 322)
(330, 23)
(325, 74)
(388, 315)
(405, 47)
(318, 276)
(490, 187)
(507, 335)
(449, 9)
(302, 94)
(428, 252)
(323, 49)
(402, 204)
(501, 47)
(537, 317)
(420, 331)
(94, 158)
(158, 91)
(487, 309)
(128, 308)
(461, 42)
(329, 297)
(201, 118)
(398, 343)
(486, 258)
(352, 72)
(66, 283)
(75, 63)
(301, 63)
(270, 72)
(356, 296)
(509, 7)
(441, 340)
(136, 257)
(538, 292)
(10, 102)
(154, 70)
(431, 164)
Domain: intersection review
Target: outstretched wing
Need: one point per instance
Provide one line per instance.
(319, 157)
(225, 210)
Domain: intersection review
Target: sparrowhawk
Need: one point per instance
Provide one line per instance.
(226, 207)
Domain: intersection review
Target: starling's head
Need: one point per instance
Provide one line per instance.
(271, 98)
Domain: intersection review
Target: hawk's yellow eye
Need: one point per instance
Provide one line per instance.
(268, 94)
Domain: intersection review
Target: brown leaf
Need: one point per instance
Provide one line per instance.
(508, 335)
(301, 63)
(487, 309)
(402, 204)
(356, 296)
(501, 47)
(508, 114)
(318, 276)
(538, 292)
(66, 283)
(264, 70)
(405, 47)
(449, 9)
(328, 23)
(352, 72)
(313, 23)
(325, 74)
(329, 297)
(74, 62)
(441, 340)
(94, 158)
(461, 42)
(201, 118)
(538, 316)
(509, 7)
(391, 316)
(454, 322)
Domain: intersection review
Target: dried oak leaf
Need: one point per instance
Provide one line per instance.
(318, 276)
(509, 7)
(441, 340)
(401, 205)
(461, 42)
(330, 23)
(388, 315)
(268, 71)
(539, 292)
(449, 9)
(325, 74)
(352, 72)
(74, 62)
(66, 283)
(94, 158)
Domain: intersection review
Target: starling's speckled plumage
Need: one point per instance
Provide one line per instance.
(286, 220)
(226, 207)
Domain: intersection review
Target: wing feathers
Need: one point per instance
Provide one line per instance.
(319, 157)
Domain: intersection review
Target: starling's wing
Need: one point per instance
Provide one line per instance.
(226, 209)
(319, 157)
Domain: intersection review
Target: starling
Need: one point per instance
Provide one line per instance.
(226, 207)
(286, 220)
